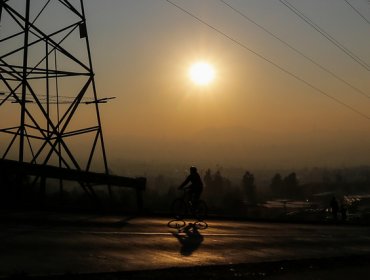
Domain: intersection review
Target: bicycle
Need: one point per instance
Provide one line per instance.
(183, 207)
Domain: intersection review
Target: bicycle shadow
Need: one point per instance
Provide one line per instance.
(189, 238)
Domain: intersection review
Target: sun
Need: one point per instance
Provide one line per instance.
(201, 73)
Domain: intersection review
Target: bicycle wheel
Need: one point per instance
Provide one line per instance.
(201, 225)
(178, 209)
(176, 224)
(201, 211)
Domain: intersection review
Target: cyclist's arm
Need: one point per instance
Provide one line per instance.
(187, 180)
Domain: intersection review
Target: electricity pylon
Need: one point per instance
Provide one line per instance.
(49, 109)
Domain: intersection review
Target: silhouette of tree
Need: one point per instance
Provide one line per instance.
(249, 187)
(277, 184)
(218, 182)
(291, 188)
(208, 181)
(217, 189)
(291, 180)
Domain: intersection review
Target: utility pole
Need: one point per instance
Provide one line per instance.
(49, 81)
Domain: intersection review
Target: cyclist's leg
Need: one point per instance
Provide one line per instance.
(188, 195)
(196, 196)
(191, 197)
(178, 208)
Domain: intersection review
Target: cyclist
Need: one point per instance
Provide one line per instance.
(196, 186)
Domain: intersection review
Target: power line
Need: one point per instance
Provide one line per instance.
(296, 50)
(349, 107)
(357, 11)
(325, 34)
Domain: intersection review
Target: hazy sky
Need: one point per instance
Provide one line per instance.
(268, 105)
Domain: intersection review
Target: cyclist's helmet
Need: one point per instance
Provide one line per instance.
(193, 169)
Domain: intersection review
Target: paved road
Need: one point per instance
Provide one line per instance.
(40, 243)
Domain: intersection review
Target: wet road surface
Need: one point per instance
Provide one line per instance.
(39, 243)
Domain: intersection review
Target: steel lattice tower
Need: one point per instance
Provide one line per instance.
(49, 109)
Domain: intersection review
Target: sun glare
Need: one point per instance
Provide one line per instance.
(201, 73)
